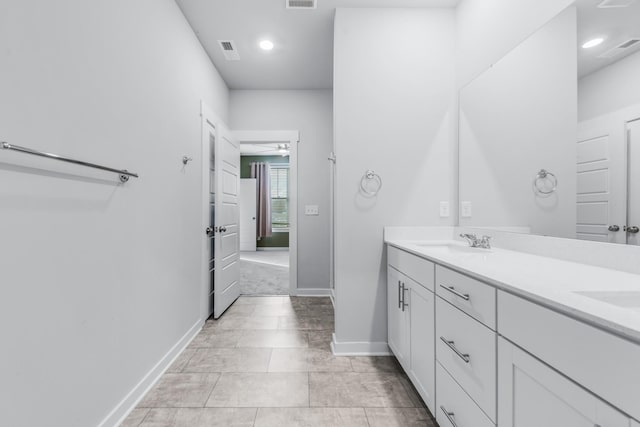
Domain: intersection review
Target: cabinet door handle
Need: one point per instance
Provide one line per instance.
(456, 293)
(452, 346)
(404, 304)
(449, 416)
(399, 293)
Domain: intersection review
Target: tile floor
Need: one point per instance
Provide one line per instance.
(267, 362)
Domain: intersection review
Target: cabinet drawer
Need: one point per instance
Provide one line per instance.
(413, 266)
(475, 298)
(470, 356)
(450, 398)
(601, 362)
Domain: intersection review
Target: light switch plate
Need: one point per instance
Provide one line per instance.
(311, 210)
(444, 209)
(465, 209)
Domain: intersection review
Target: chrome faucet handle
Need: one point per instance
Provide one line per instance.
(485, 242)
(472, 239)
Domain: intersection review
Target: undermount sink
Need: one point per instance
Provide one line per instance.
(624, 299)
(452, 247)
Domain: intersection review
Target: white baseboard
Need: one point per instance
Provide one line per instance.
(274, 248)
(333, 297)
(313, 292)
(126, 405)
(356, 348)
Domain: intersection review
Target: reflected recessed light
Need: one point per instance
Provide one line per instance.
(592, 43)
(266, 45)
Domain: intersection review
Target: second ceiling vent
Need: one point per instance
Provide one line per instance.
(621, 48)
(606, 4)
(301, 4)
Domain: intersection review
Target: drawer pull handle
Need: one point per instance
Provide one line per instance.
(456, 293)
(399, 293)
(449, 416)
(451, 345)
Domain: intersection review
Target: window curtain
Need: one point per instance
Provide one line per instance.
(262, 173)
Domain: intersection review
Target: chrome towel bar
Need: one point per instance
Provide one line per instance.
(123, 173)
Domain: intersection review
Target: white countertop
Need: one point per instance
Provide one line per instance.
(551, 282)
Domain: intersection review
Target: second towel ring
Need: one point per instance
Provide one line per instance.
(541, 178)
(369, 176)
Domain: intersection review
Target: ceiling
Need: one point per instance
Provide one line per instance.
(615, 25)
(303, 53)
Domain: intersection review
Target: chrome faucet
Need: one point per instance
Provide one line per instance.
(474, 242)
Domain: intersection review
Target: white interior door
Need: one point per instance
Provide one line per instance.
(248, 191)
(227, 221)
(600, 192)
(633, 183)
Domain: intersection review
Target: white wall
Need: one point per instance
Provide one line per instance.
(394, 90)
(609, 89)
(488, 29)
(99, 280)
(516, 118)
(310, 112)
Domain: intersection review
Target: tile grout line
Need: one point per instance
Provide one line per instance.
(212, 388)
(255, 417)
(366, 416)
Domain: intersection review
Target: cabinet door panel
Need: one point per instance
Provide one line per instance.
(393, 312)
(531, 394)
(422, 318)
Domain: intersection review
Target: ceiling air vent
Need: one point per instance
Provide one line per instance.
(621, 48)
(229, 50)
(605, 4)
(301, 4)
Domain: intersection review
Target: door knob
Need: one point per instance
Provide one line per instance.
(633, 230)
(222, 229)
(614, 228)
(209, 231)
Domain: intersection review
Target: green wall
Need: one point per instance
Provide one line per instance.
(280, 239)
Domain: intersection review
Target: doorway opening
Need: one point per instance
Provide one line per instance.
(268, 212)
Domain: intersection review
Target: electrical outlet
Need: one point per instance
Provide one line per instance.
(465, 209)
(444, 209)
(311, 210)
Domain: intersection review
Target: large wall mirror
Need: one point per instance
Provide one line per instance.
(550, 134)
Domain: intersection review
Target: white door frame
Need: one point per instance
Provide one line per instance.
(291, 137)
(208, 116)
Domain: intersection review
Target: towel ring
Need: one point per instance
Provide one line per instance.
(369, 176)
(540, 179)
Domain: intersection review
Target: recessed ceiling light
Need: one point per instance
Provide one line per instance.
(592, 43)
(266, 45)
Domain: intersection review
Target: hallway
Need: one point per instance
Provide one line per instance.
(267, 362)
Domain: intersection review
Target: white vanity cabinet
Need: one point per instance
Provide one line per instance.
(532, 394)
(410, 314)
(485, 355)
